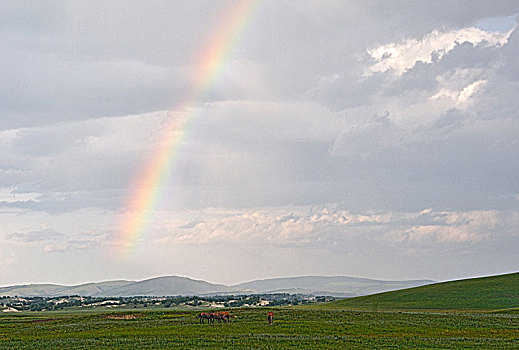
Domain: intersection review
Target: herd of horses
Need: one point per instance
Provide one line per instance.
(224, 317)
(212, 316)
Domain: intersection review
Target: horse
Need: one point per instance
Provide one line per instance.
(225, 316)
(218, 316)
(206, 316)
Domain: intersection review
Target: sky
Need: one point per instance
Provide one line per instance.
(235, 140)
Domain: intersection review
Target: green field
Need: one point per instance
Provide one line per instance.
(293, 328)
(477, 313)
(481, 294)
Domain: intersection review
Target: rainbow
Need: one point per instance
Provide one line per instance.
(211, 60)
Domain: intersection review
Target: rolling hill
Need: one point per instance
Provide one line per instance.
(96, 288)
(32, 290)
(50, 290)
(168, 285)
(483, 293)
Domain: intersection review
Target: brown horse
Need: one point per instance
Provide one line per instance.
(219, 317)
(226, 316)
(206, 316)
(212, 316)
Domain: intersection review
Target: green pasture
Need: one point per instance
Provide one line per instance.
(477, 294)
(310, 328)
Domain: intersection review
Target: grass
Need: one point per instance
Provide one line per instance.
(308, 328)
(481, 294)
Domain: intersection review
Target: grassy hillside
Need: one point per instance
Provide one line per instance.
(484, 293)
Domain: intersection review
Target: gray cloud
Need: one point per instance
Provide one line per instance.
(69, 61)
(50, 240)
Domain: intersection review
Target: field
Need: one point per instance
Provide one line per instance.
(295, 327)
(475, 313)
(481, 294)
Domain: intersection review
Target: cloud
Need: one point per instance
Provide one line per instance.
(286, 153)
(98, 59)
(84, 164)
(110, 59)
(85, 243)
(365, 139)
(468, 92)
(10, 195)
(330, 226)
(53, 241)
(35, 236)
(401, 57)
(465, 227)
(258, 227)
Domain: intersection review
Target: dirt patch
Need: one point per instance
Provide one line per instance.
(40, 321)
(121, 317)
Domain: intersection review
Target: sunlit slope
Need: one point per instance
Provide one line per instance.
(484, 293)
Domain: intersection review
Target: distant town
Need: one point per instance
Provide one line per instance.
(16, 303)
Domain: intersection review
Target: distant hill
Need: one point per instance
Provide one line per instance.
(339, 286)
(168, 285)
(32, 290)
(160, 286)
(96, 288)
(483, 293)
(50, 290)
(318, 285)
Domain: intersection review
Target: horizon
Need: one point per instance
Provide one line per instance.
(212, 282)
(236, 140)
(255, 280)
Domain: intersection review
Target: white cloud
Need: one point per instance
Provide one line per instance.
(330, 226)
(400, 57)
(457, 227)
(9, 195)
(468, 92)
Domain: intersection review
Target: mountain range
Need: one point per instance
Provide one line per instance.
(338, 286)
